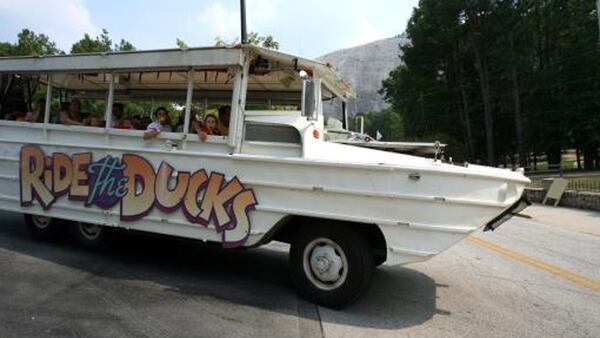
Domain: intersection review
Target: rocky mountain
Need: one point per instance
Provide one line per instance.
(365, 67)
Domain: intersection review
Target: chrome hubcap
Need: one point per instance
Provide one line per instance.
(90, 231)
(325, 264)
(41, 222)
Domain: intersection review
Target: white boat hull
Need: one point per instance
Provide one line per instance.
(421, 207)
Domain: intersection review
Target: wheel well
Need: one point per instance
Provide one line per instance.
(284, 230)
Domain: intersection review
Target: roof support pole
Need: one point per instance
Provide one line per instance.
(188, 106)
(317, 97)
(238, 104)
(109, 106)
(48, 105)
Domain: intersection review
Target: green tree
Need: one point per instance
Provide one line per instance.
(387, 122)
(88, 44)
(124, 46)
(102, 43)
(181, 44)
(7, 49)
(504, 80)
(265, 41)
(29, 43)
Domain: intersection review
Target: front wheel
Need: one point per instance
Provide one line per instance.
(331, 265)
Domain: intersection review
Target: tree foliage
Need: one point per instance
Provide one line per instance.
(181, 44)
(29, 43)
(387, 122)
(102, 43)
(502, 79)
(265, 41)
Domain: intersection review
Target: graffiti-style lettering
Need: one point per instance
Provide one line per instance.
(32, 170)
(132, 182)
(241, 206)
(191, 209)
(107, 182)
(140, 174)
(169, 199)
(79, 184)
(62, 173)
(48, 181)
(215, 199)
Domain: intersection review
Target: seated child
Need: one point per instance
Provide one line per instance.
(210, 126)
(162, 124)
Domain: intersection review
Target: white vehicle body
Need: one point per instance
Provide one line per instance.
(418, 206)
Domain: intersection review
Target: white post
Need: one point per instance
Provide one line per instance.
(48, 105)
(109, 101)
(109, 106)
(362, 124)
(188, 105)
(238, 104)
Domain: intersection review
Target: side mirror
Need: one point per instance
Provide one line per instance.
(308, 99)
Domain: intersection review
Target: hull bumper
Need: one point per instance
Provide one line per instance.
(514, 209)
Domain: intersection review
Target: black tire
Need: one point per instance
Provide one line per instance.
(379, 260)
(42, 227)
(354, 278)
(93, 236)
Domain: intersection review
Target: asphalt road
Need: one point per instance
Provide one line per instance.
(532, 277)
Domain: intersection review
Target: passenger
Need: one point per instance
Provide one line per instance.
(16, 112)
(136, 121)
(36, 114)
(162, 124)
(72, 116)
(195, 126)
(145, 123)
(118, 114)
(126, 123)
(180, 123)
(211, 125)
(223, 122)
(95, 120)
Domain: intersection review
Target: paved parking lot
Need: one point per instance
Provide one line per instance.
(532, 277)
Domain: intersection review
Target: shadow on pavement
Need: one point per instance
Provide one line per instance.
(398, 297)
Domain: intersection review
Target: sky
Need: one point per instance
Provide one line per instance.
(307, 28)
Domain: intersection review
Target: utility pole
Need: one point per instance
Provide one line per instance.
(243, 18)
(598, 14)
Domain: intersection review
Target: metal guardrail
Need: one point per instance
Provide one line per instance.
(586, 183)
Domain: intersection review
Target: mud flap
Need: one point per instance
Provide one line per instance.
(507, 214)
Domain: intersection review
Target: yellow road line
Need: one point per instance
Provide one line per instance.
(555, 270)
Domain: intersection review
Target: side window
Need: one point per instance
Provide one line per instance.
(214, 119)
(22, 97)
(156, 102)
(138, 97)
(79, 99)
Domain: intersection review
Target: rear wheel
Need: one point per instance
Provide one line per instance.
(92, 236)
(43, 227)
(331, 265)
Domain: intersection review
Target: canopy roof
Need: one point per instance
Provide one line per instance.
(158, 70)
